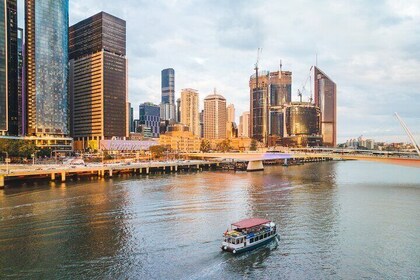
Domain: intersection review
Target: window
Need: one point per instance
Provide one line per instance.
(251, 240)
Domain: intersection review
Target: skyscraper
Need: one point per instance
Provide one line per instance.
(168, 95)
(326, 99)
(230, 113)
(131, 118)
(215, 116)
(259, 103)
(178, 110)
(149, 115)
(20, 94)
(8, 68)
(46, 45)
(190, 110)
(244, 124)
(98, 80)
(268, 99)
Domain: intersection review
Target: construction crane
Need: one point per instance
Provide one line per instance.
(303, 89)
(410, 135)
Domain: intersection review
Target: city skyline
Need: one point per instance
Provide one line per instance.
(362, 61)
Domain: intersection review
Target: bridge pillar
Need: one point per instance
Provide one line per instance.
(176, 168)
(99, 173)
(147, 170)
(255, 166)
(53, 176)
(110, 173)
(1, 181)
(63, 177)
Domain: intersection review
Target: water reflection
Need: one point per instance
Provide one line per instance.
(170, 226)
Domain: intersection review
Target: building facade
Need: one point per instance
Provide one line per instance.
(302, 125)
(244, 125)
(168, 107)
(190, 114)
(9, 122)
(326, 99)
(180, 139)
(259, 85)
(46, 73)
(130, 118)
(149, 116)
(98, 80)
(215, 116)
(270, 93)
(20, 89)
(230, 113)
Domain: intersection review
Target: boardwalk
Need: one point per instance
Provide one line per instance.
(61, 172)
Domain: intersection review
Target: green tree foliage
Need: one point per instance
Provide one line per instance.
(159, 150)
(253, 146)
(205, 146)
(224, 146)
(17, 148)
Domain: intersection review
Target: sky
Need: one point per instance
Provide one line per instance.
(371, 49)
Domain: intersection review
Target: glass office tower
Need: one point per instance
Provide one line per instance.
(8, 68)
(3, 70)
(168, 94)
(46, 46)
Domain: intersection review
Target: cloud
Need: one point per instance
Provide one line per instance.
(369, 48)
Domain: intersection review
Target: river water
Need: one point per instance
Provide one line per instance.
(337, 220)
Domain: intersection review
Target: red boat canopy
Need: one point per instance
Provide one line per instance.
(249, 223)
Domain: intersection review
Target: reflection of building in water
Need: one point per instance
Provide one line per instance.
(302, 125)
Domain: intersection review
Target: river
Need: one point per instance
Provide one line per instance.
(337, 220)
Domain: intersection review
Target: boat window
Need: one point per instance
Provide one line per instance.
(251, 240)
(265, 235)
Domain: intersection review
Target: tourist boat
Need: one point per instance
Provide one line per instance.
(248, 234)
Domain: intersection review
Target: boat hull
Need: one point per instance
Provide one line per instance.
(249, 247)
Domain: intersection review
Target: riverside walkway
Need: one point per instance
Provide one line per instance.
(62, 172)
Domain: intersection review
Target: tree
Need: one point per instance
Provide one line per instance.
(17, 148)
(253, 146)
(158, 151)
(205, 146)
(224, 146)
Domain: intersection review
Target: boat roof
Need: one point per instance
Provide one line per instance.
(249, 223)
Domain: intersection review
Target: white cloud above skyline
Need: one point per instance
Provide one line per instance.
(371, 49)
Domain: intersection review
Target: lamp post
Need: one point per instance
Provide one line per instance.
(7, 160)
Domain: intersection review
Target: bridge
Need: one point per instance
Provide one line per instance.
(255, 160)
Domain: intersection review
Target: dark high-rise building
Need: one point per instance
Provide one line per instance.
(98, 80)
(326, 99)
(8, 68)
(46, 73)
(131, 118)
(149, 115)
(168, 95)
(178, 110)
(259, 106)
(20, 94)
(268, 99)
